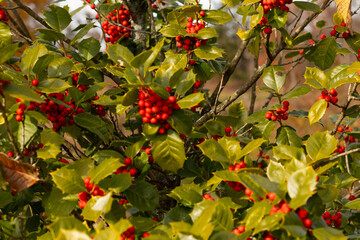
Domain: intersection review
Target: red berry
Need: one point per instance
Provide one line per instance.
(340, 129)
(323, 36)
(192, 62)
(83, 196)
(241, 229)
(132, 171)
(286, 104)
(22, 106)
(228, 130)
(19, 118)
(82, 204)
(87, 181)
(345, 35)
(271, 196)
(92, 6)
(19, 111)
(311, 42)
(178, 38)
(343, 24)
(327, 98)
(333, 92)
(267, 30)
(352, 197)
(303, 213)
(35, 82)
(327, 215)
(162, 130)
(172, 99)
(89, 187)
(11, 154)
(333, 32)
(307, 223)
(179, 45)
(248, 192)
(301, 51)
(334, 100)
(202, 13)
(285, 117)
(273, 118)
(127, 161)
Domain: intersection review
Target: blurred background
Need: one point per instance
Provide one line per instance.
(229, 41)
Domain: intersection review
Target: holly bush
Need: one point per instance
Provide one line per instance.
(116, 137)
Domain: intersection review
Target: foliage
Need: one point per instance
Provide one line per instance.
(126, 143)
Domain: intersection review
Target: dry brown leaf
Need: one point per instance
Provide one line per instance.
(19, 175)
(344, 8)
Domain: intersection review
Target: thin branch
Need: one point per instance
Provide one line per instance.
(151, 20)
(344, 154)
(253, 90)
(7, 125)
(20, 21)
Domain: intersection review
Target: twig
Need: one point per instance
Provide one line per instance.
(344, 154)
(253, 90)
(20, 21)
(151, 20)
(10, 134)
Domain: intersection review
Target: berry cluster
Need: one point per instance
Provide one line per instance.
(278, 114)
(240, 229)
(20, 112)
(339, 149)
(59, 115)
(123, 201)
(280, 207)
(126, 168)
(75, 78)
(147, 150)
(155, 109)
(91, 189)
(128, 234)
(337, 34)
(122, 17)
(329, 96)
(237, 186)
(303, 215)
(335, 219)
(270, 4)
(208, 197)
(3, 15)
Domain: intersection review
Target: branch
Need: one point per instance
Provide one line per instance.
(344, 154)
(10, 134)
(258, 73)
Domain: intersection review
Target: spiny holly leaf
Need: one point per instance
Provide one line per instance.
(320, 145)
(143, 196)
(168, 151)
(68, 181)
(317, 111)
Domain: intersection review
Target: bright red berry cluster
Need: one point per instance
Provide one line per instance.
(192, 27)
(122, 17)
(270, 4)
(339, 149)
(3, 15)
(240, 229)
(126, 168)
(208, 197)
(75, 78)
(278, 114)
(147, 150)
(91, 189)
(237, 186)
(155, 109)
(303, 215)
(282, 206)
(123, 201)
(128, 234)
(58, 114)
(329, 96)
(335, 219)
(337, 34)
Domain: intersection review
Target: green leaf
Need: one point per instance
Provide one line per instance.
(231, 147)
(119, 53)
(324, 53)
(217, 17)
(187, 194)
(181, 121)
(317, 111)
(50, 34)
(117, 183)
(5, 198)
(60, 67)
(130, 97)
(294, 225)
(168, 151)
(286, 37)
(213, 150)
(30, 129)
(251, 146)
(105, 168)
(22, 92)
(288, 152)
(353, 41)
(316, 78)
(320, 145)
(66, 223)
(82, 33)
(246, 2)
(231, 3)
(353, 68)
(103, 204)
(183, 81)
(338, 19)
(307, 6)
(53, 85)
(58, 18)
(191, 100)
(55, 205)
(227, 175)
(150, 129)
(255, 215)
(275, 172)
(286, 135)
(208, 52)
(154, 54)
(354, 204)
(206, 33)
(89, 47)
(8, 51)
(5, 34)
(256, 18)
(299, 91)
(173, 30)
(302, 38)
(273, 79)
(143, 196)
(328, 233)
(135, 148)
(30, 57)
(68, 181)
(52, 142)
(93, 124)
(301, 185)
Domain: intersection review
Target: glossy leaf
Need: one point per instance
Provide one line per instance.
(143, 196)
(317, 111)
